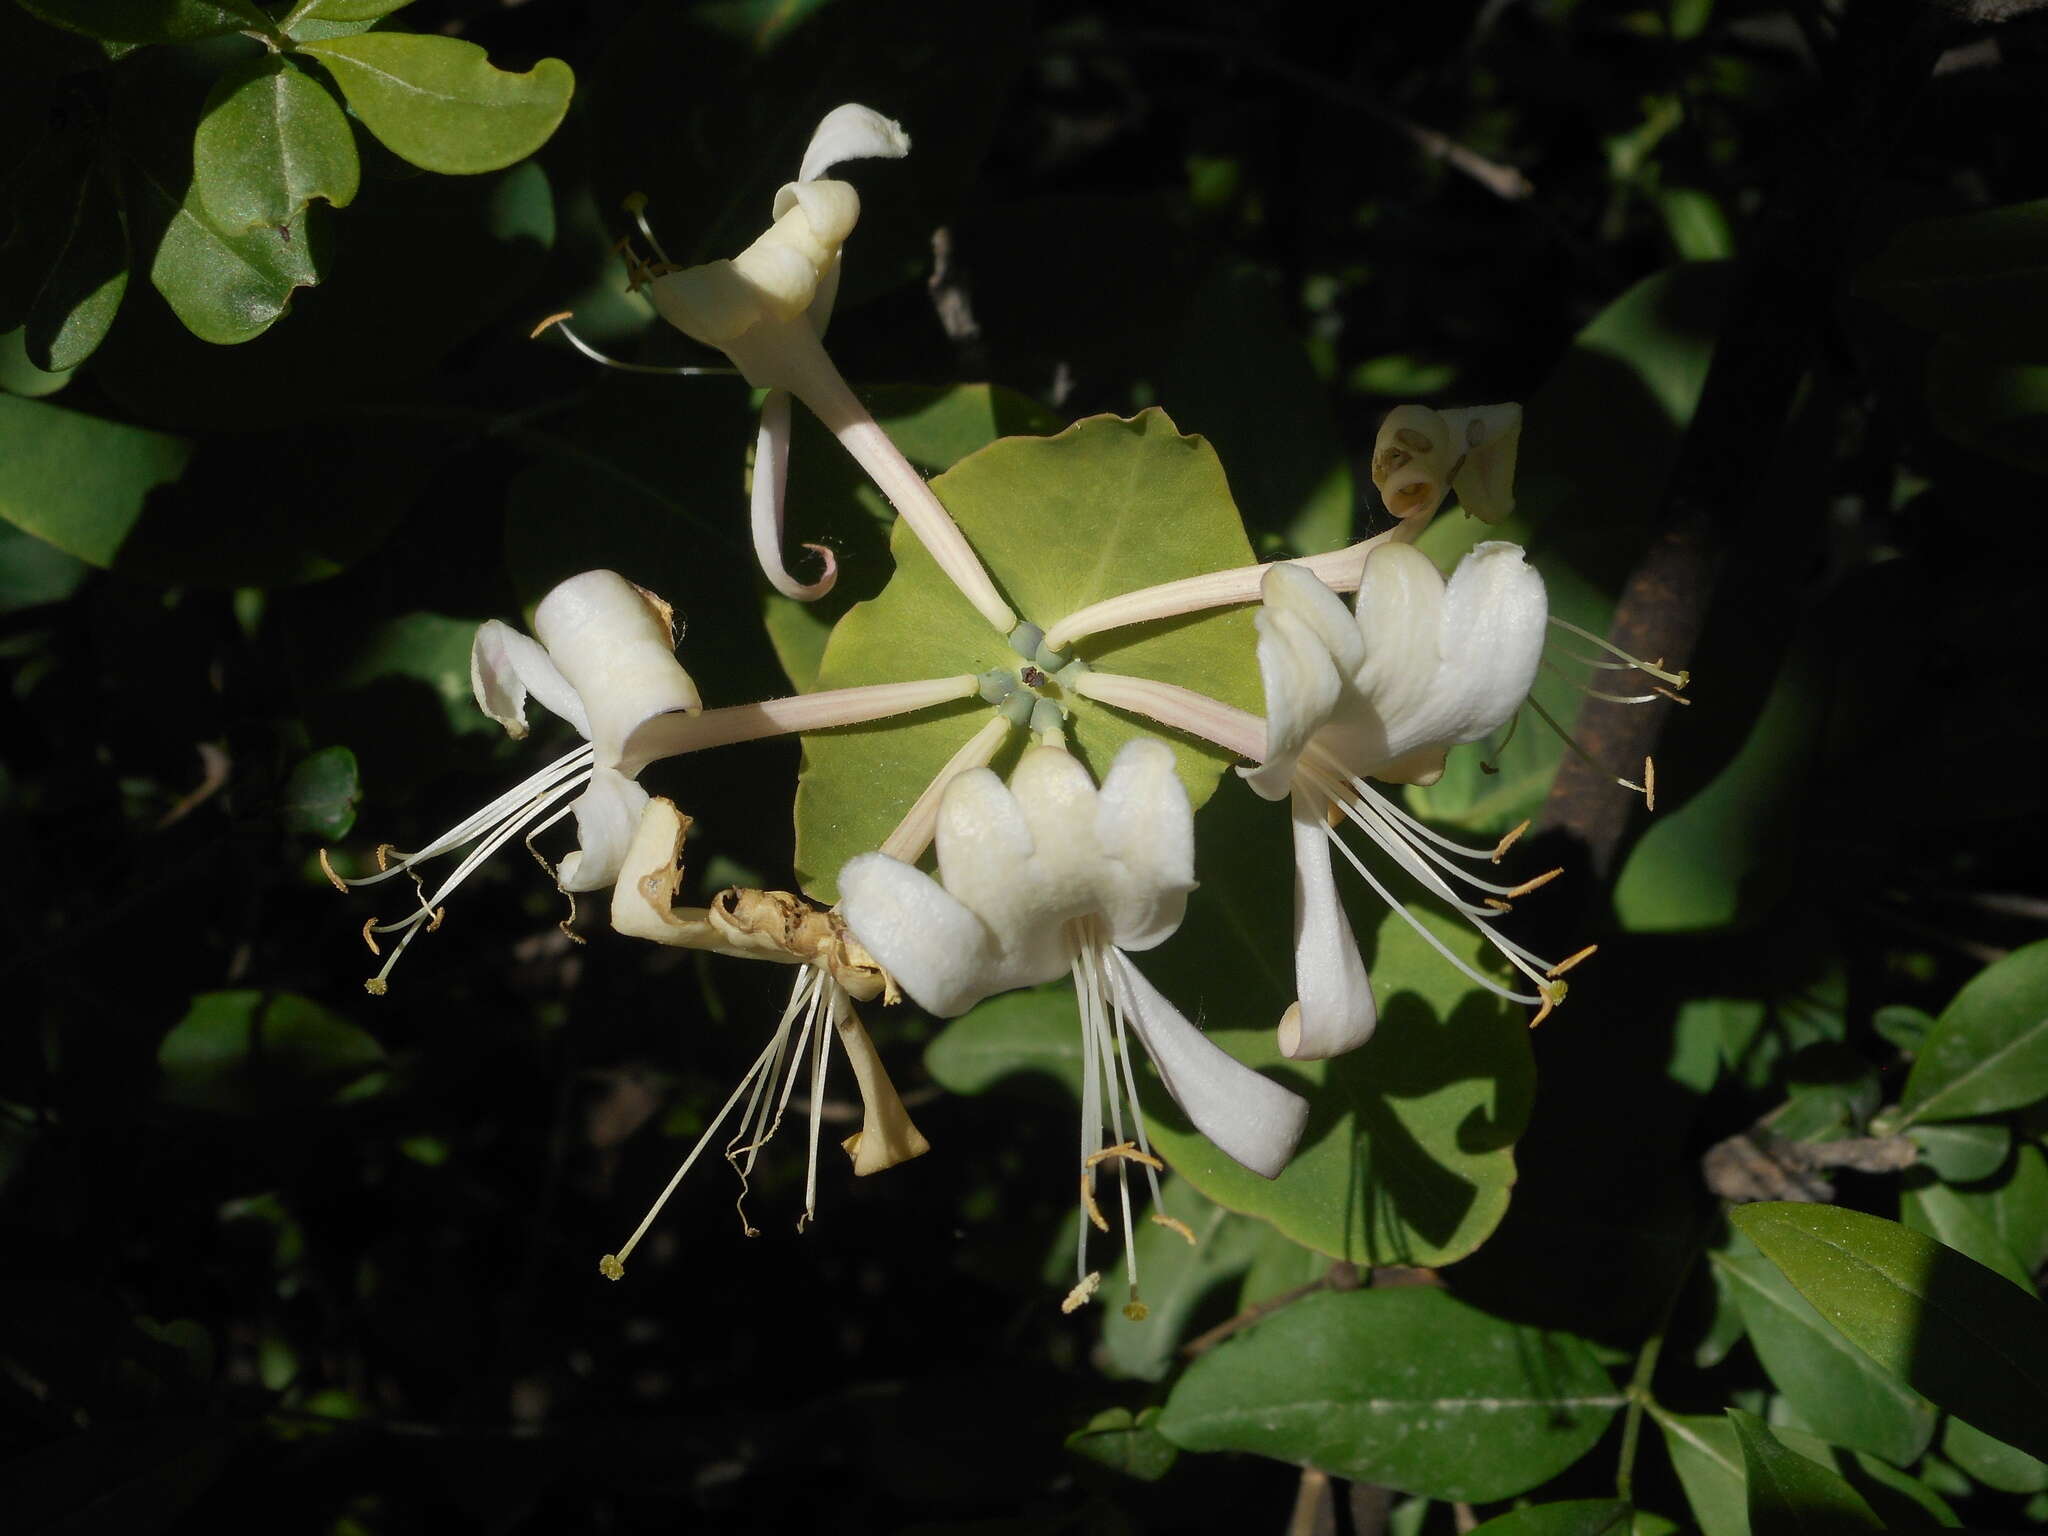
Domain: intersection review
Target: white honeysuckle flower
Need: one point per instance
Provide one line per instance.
(832, 972)
(1384, 692)
(1046, 876)
(605, 661)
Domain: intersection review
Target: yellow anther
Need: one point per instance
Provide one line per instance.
(610, 1267)
(1127, 1149)
(434, 923)
(1569, 961)
(333, 879)
(1497, 904)
(554, 319)
(1674, 697)
(1175, 1224)
(369, 935)
(1649, 784)
(1078, 1297)
(1088, 1206)
(384, 852)
(1136, 1310)
(1552, 995)
(1514, 836)
(1537, 883)
(375, 986)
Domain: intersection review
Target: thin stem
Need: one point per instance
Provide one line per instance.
(1340, 570)
(670, 734)
(1183, 709)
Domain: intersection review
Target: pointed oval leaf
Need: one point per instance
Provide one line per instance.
(440, 103)
(1962, 1153)
(224, 288)
(1791, 1496)
(271, 141)
(1132, 1446)
(78, 481)
(1989, 1050)
(1992, 1462)
(346, 10)
(1963, 1224)
(1841, 1393)
(1408, 1388)
(321, 794)
(151, 21)
(1954, 1331)
(250, 1052)
(1106, 506)
(65, 268)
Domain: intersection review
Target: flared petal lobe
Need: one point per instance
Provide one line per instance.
(615, 645)
(1145, 830)
(1333, 1011)
(1309, 648)
(851, 132)
(937, 949)
(505, 667)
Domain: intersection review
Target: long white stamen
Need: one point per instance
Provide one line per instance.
(1614, 698)
(1091, 1105)
(1340, 570)
(1393, 808)
(520, 795)
(1583, 755)
(1183, 709)
(635, 203)
(1675, 679)
(1367, 815)
(821, 1060)
(665, 370)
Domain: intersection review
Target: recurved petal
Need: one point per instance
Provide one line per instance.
(607, 814)
(851, 132)
(886, 1136)
(1308, 648)
(613, 642)
(1333, 1010)
(1496, 615)
(1249, 1117)
(1145, 830)
(505, 666)
(767, 498)
(1489, 436)
(937, 949)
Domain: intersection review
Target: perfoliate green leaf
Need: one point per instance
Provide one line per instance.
(249, 1052)
(1572, 1517)
(1791, 1496)
(1408, 1388)
(1839, 1391)
(1060, 522)
(78, 481)
(270, 142)
(151, 21)
(320, 796)
(1949, 1328)
(1132, 1446)
(440, 103)
(1989, 1051)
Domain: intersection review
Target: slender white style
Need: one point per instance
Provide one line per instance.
(1385, 691)
(766, 309)
(1049, 876)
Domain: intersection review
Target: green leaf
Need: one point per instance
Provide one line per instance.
(19, 376)
(1789, 1495)
(1989, 1050)
(1992, 1462)
(1951, 1329)
(1708, 1459)
(440, 102)
(1154, 507)
(1131, 1446)
(1951, 1218)
(1978, 275)
(82, 262)
(271, 141)
(226, 288)
(1961, 1153)
(151, 21)
(1989, 400)
(2017, 1207)
(320, 797)
(1176, 1278)
(1902, 1025)
(250, 1052)
(33, 573)
(1838, 1390)
(1408, 1388)
(1035, 1030)
(77, 481)
(1570, 1517)
(345, 10)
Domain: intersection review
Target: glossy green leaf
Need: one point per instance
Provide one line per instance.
(1903, 1026)
(1977, 275)
(1951, 1329)
(1155, 507)
(271, 141)
(2017, 1206)
(78, 481)
(70, 303)
(1992, 1462)
(1989, 1051)
(1841, 1393)
(1408, 1388)
(19, 376)
(1176, 1278)
(440, 103)
(33, 573)
(321, 794)
(1789, 1495)
(345, 10)
(250, 1052)
(1961, 1152)
(226, 288)
(151, 21)
(1571, 1517)
(1963, 1224)
(1132, 1446)
(1035, 1030)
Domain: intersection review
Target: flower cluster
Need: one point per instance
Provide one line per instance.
(1044, 874)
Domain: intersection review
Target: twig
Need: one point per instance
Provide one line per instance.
(1341, 1276)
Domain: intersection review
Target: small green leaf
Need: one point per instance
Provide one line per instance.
(226, 288)
(77, 481)
(1570, 1517)
(1963, 1224)
(250, 1052)
(440, 102)
(1789, 1495)
(1902, 1025)
(1961, 1153)
(320, 797)
(73, 299)
(151, 21)
(1131, 1446)
(1841, 1393)
(271, 141)
(1989, 1051)
(1408, 1388)
(1176, 1278)
(345, 10)
(1992, 1462)
(1951, 1329)
(1106, 506)
(33, 573)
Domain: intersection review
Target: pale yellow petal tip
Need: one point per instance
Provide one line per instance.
(1081, 1294)
(610, 1267)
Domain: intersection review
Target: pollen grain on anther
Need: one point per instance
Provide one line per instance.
(1569, 961)
(1514, 836)
(1175, 1224)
